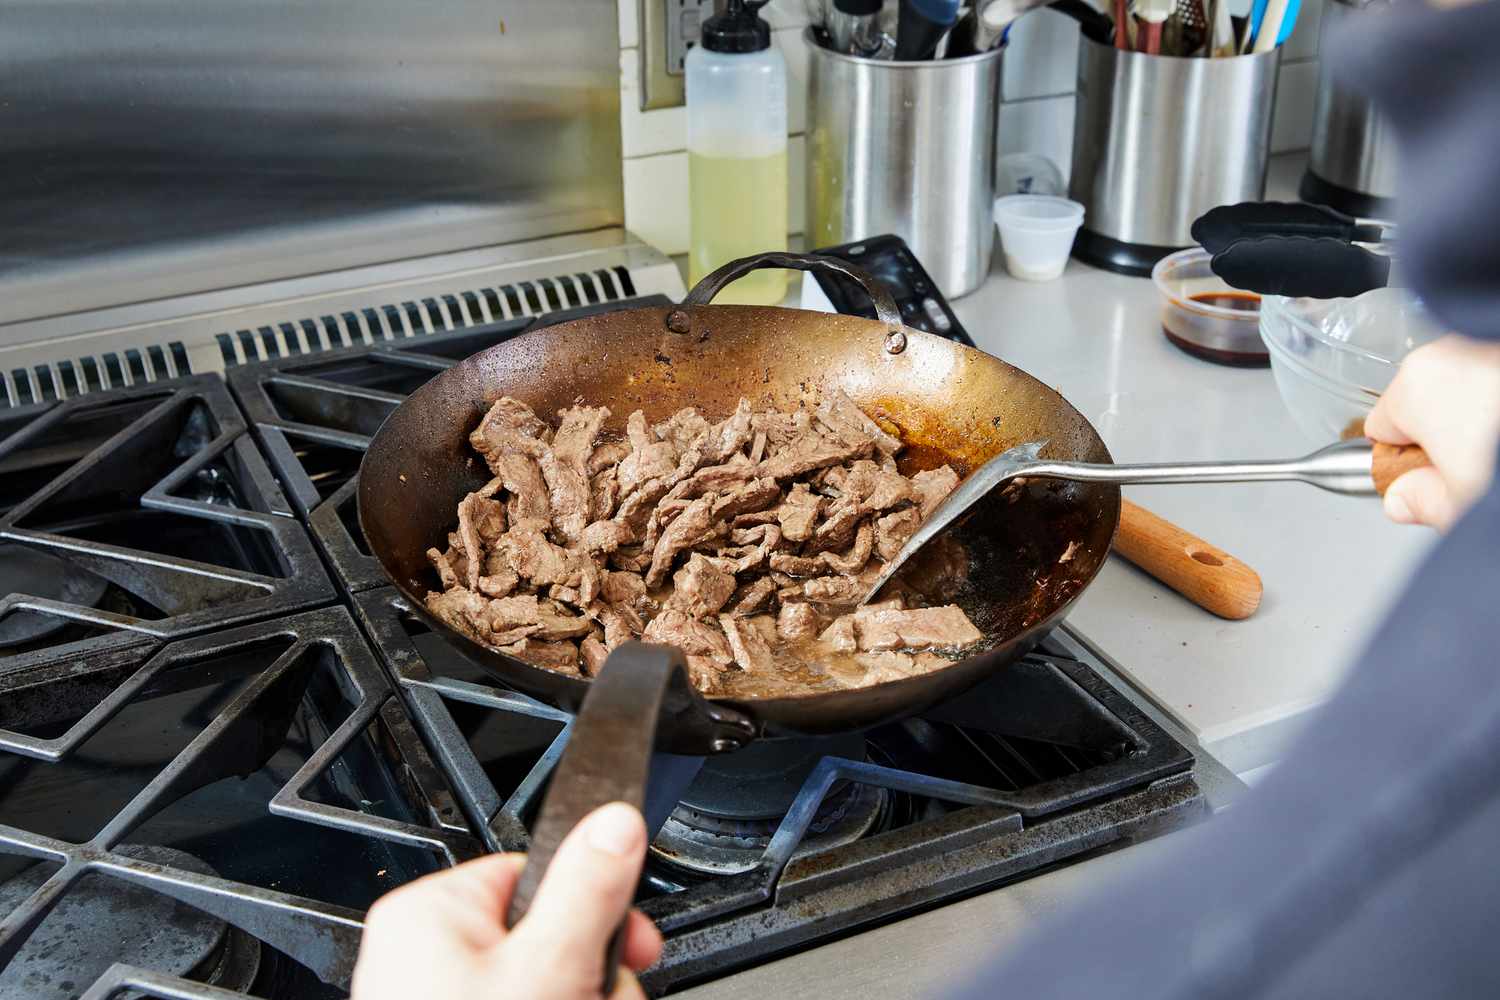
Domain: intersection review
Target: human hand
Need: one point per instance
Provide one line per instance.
(443, 937)
(1446, 398)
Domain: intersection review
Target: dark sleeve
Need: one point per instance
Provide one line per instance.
(1364, 865)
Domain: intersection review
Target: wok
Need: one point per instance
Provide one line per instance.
(951, 404)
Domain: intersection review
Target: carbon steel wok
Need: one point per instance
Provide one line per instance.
(951, 403)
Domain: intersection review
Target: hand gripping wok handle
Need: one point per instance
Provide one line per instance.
(608, 755)
(1389, 462)
(714, 282)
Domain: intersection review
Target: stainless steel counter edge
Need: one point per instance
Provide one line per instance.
(927, 953)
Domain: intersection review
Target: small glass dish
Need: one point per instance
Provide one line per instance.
(1206, 317)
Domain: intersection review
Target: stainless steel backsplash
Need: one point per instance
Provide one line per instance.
(156, 147)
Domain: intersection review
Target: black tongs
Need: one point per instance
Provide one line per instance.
(1292, 249)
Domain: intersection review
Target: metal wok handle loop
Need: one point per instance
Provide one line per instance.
(713, 283)
(640, 687)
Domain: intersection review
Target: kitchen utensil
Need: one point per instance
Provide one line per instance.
(853, 26)
(1333, 358)
(874, 165)
(1206, 316)
(890, 261)
(1352, 159)
(1122, 24)
(1188, 28)
(1205, 574)
(921, 25)
(1217, 228)
(1152, 14)
(1036, 234)
(1271, 36)
(1221, 31)
(984, 25)
(1356, 467)
(1158, 142)
(1092, 22)
(1295, 266)
(1268, 32)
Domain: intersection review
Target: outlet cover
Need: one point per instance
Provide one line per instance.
(669, 28)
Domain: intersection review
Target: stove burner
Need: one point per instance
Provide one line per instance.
(726, 819)
(101, 921)
(27, 571)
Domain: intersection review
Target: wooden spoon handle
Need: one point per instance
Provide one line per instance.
(1390, 461)
(1205, 574)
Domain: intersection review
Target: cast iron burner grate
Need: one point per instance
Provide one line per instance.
(315, 415)
(264, 780)
(1044, 762)
(137, 515)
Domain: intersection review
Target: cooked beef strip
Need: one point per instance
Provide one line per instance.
(851, 424)
(802, 507)
(680, 535)
(749, 646)
(594, 654)
(797, 621)
(700, 587)
(932, 487)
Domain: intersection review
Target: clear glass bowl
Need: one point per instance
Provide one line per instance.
(1332, 358)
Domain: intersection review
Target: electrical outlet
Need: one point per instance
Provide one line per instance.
(669, 28)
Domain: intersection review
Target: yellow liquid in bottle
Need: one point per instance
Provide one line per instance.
(738, 208)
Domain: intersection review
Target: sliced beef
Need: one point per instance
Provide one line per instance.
(932, 488)
(796, 622)
(604, 536)
(481, 522)
(809, 452)
(876, 489)
(561, 656)
(749, 646)
(887, 666)
(630, 559)
(626, 589)
(758, 446)
(785, 562)
(510, 427)
(686, 429)
(693, 522)
(693, 637)
(604, 493)
(701, 588)
(922, 628)
(893, 530)
(838, 530)
(523, 481)
(752, 597)
(536, 559)
(752, 497)
(854, 560)
(839, 636)
(565, 468)
(769, 537)
(834, 590)
(649, 457)
(607, 455)
(593, 653)
(850, 424)
(798, 513)
(556, 623)
(446, 574)
(730, 435)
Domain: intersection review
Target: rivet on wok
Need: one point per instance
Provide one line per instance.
(895, 342)
(678, 321)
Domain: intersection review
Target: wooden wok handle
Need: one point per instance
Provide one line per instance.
(1205, 574)
(1391, 461)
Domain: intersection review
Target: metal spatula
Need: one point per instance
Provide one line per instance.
(1357, 468)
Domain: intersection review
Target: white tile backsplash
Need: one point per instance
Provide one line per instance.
(1036, 114)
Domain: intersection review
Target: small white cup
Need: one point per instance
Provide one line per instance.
(1036, 234)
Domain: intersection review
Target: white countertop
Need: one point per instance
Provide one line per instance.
(1330, 564)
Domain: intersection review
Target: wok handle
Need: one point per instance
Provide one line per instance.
(1205, 574)
(607, 759)
(1390, 462)
(713, 283)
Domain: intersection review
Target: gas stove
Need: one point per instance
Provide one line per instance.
(217, 748)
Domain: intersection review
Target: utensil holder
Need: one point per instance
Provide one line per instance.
(905, 148)
(1158, 141)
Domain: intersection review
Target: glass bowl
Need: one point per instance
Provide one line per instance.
(1332, 358)
(1205, 316)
